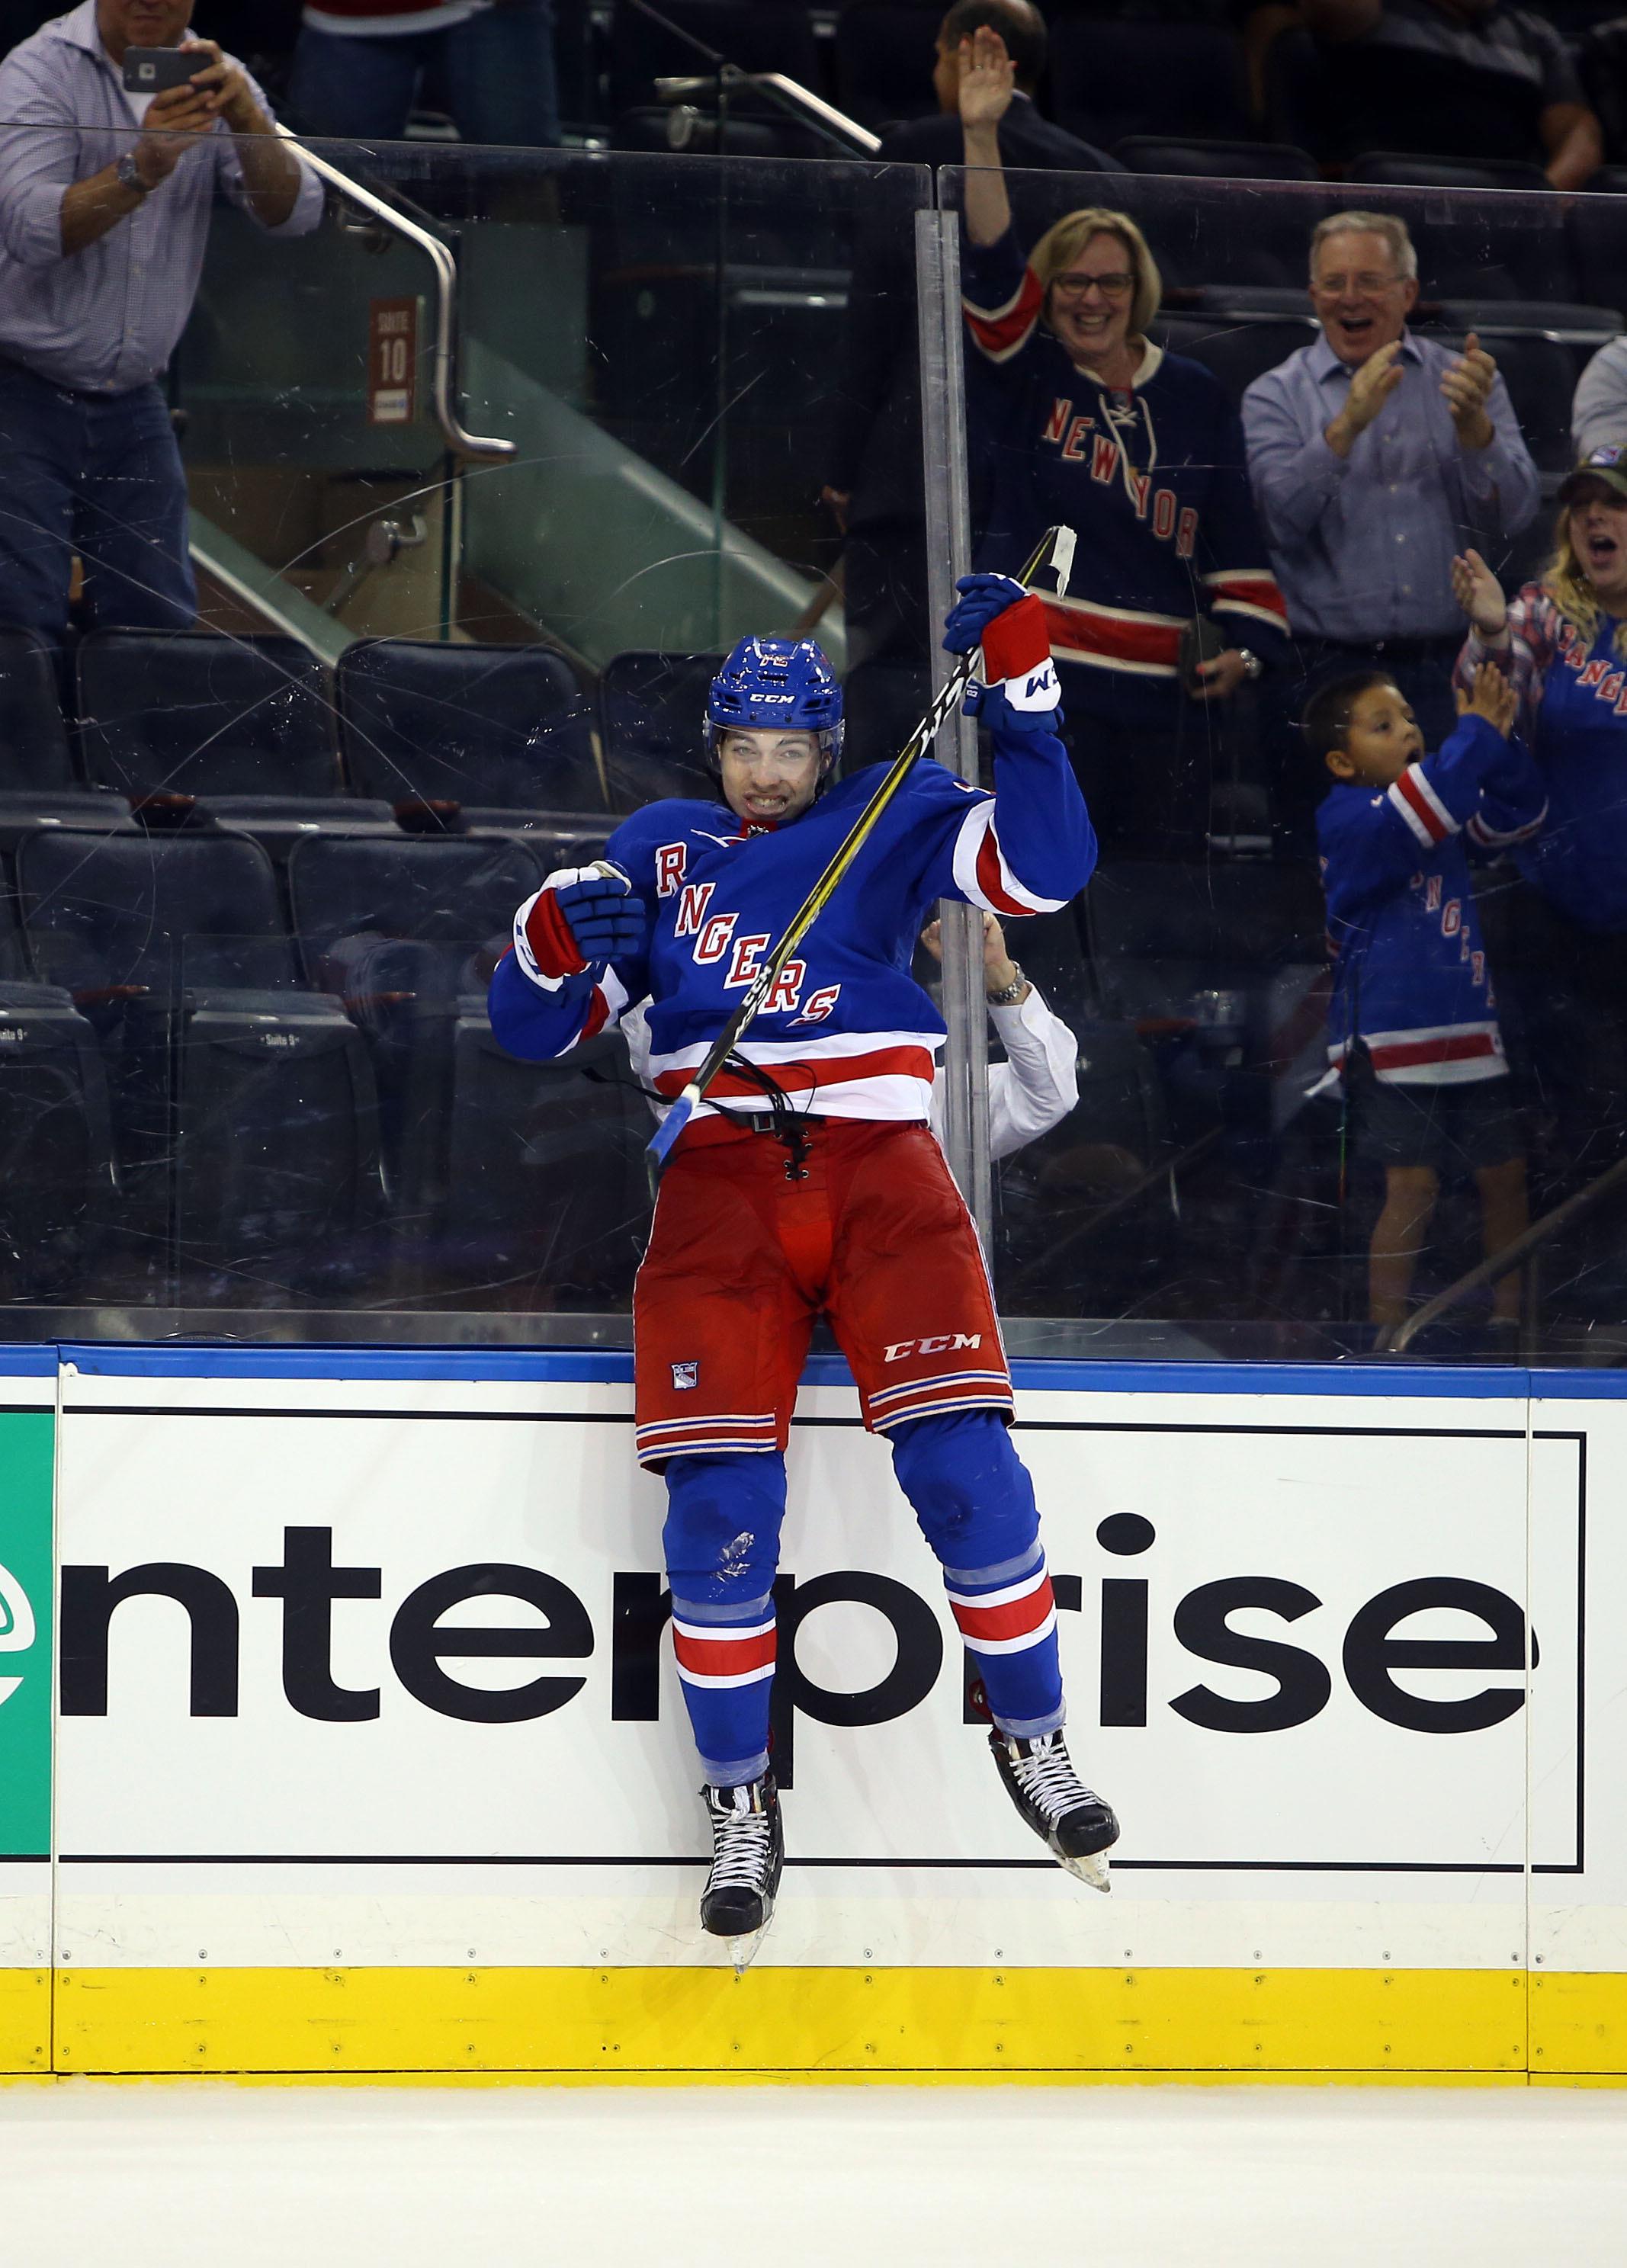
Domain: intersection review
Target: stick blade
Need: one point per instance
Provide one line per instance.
(672, 1126)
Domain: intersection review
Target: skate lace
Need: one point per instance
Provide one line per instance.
(1046, 1774)
(739, 1849)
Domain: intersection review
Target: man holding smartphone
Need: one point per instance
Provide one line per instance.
(119, 133)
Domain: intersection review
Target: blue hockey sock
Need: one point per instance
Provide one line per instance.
(974, 1501)
(722, 1547)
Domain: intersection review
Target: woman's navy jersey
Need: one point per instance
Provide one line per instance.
(1153, 478)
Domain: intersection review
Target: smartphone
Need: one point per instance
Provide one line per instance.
(154, 70)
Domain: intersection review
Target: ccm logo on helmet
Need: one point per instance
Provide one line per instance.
(942, 1345)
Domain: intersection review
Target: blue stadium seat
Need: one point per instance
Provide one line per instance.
(401, 931)
(189, 712)
(490, 727)
(651, 713)
(243, 1108)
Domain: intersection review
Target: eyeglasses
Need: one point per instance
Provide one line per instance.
(1366, 285)
(1118, 284)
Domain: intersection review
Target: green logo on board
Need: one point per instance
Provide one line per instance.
(25, 1618)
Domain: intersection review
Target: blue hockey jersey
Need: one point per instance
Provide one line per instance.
(1153, 479)
(846, 1033)
(1410, 978)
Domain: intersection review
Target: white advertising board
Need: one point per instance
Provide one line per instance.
(363, 1662)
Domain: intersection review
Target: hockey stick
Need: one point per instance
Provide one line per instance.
(1054, 550)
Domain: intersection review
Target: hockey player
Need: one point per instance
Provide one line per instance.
(809, 1182)
(1412, 988)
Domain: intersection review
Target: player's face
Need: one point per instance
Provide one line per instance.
(1381, 739)
(1089, 302)
(769, 777)
(1598, 538)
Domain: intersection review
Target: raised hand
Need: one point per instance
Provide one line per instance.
(1494, 698)
(1466, 388)
(1479, 593)
(988, 79)
(1370, 387)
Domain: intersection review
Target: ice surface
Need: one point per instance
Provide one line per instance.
(203, 2175)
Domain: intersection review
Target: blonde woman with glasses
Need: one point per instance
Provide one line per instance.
(1076, 417)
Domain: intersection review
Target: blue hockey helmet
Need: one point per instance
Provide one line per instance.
(782, 685)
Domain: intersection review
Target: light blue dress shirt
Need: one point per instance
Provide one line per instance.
(106, 319)
(1362, 545)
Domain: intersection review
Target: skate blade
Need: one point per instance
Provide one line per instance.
(742, 1951)
(1093, 1870)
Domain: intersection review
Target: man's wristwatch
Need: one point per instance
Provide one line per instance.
(1252, 666)
(127, 173)
(1009, 995)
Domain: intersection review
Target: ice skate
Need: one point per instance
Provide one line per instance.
(1039, 1777)
(749, 1850)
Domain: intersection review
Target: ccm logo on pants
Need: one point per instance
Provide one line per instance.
(950, 1339)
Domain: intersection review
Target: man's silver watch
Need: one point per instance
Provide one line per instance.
(1252, 666)
(127, 173)
(1009, 995)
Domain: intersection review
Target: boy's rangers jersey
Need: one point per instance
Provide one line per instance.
(1153, 477)
(1410, 978)
(846, 1033)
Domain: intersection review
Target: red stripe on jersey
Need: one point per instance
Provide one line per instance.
(1015, 1619)
(1465, 1047)
(1082, 630)
(989, 878)
(1016, 641)
(1249, 587)
(599, 1009)
(825, 1071)
(724, 1656)
(998, 334)
(1415, 801)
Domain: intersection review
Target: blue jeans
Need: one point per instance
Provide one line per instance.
(97, 475)
(496, 70)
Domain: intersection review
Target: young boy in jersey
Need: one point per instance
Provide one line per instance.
(1412, 988)
(809, 1182)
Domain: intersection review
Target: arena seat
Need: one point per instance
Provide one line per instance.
(1237, 353)
(242, 1107)
(400, 930)
(493, 728)
(652, 711)
(1109, 80)
(1408, 169)
(548, 1200)
(194, 713)
(1232, 161)
(34, 738)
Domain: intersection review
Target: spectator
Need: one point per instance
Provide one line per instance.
(872, 465)
(359, 64)
(1371, 452)
(102, 234)
(1038, 1083)
(1075, 418)
(1460, 78)
(1413, 1035)
(1564, 640)
(1599, 413)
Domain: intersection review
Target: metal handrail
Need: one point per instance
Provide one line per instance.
(457, 434)
(1513, 1255)
(790, 93)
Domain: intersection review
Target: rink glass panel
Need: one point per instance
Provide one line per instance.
(311, 1132)
(1202, 1199)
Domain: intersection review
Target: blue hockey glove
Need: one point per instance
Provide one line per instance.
(993, 708)
(982, 598)
(590, 916)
